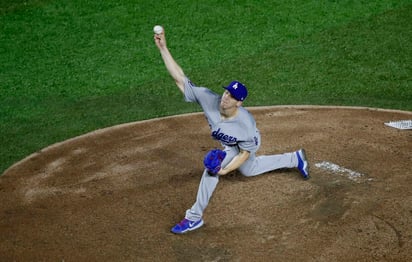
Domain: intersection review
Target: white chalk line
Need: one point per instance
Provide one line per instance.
(402, 124)
(336, 169)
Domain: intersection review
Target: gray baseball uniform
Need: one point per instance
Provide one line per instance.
(238, 133)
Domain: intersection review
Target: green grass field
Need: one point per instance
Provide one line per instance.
(70, 67)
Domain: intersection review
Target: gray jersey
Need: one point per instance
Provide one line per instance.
(234, 134)
(239, 131)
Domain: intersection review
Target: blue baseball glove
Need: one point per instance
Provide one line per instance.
(213, 160)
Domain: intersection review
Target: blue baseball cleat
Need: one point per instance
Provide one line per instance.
(303, 165)
(186, 225)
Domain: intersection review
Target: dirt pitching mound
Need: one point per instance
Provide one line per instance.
(114, 194)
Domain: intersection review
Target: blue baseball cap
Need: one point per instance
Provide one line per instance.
(237, 90)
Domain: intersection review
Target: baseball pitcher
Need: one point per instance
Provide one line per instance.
(235, 128)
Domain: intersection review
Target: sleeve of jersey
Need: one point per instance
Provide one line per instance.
(200, 95)
(249, 145)
(189, 92)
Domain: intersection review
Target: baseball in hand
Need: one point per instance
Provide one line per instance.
(158, 29)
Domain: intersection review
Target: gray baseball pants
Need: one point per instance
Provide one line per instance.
(254, 166)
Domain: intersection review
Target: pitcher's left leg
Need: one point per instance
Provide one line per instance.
(257, 165)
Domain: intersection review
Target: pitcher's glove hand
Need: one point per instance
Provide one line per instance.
(213, 160)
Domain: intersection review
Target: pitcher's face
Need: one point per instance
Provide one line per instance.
(228, 101)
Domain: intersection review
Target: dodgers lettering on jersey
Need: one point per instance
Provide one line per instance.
(225, 139)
